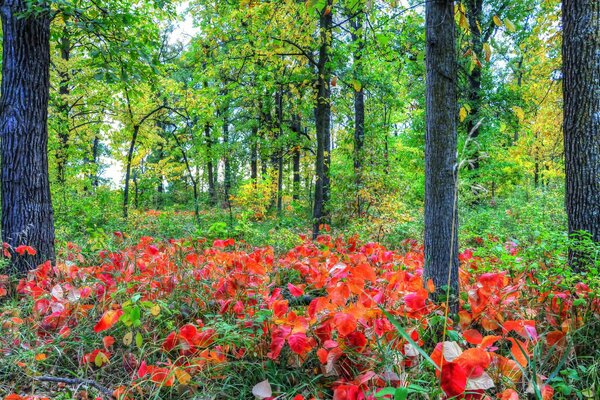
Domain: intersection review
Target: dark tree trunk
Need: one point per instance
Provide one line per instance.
(474, 11)
(226, 160)
(136, 130)
(64, 45)
(581, 91)
(296, 128)
(95, 160)
(212, 192)
(27, 215)
(323, 120)
(359, 107)
(254, 156)
(278, 152)
(441, 241)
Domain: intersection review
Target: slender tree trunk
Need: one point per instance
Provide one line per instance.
(323, 120)
(296, 128)
(227, 160)
(254, 156)
(136, 130)
(64, 45)
(27, 215)
(441, 222)
(96, 161)
(359, 107)
(581, 91)
(278, 152)
(212, 192)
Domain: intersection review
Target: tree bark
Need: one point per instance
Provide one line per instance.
(212, 192)
(323, 120)
(136, 129)
(441, 222)
(27, 214)
(581, 95)
(359, 107)
(296, 128)
(63, 108)
(226, 160)
(254, 156)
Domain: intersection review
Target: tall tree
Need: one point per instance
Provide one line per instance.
(441, 239)
(27, 215)
(323, 117)
(581, 91)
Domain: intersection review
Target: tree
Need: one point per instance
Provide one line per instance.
(581, 93)
(27, 215)
(441, 239)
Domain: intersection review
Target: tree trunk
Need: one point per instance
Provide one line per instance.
(227, 160)
(278, 152)
(212, 192)
(323, 120)
(96, 160)
(581, 92)
(254, 156)
(63, 109)
(296, 128)
(136, 130)
(359, 107)
(27, 215)
(441, 242)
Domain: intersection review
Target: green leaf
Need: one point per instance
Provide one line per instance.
(139, 340)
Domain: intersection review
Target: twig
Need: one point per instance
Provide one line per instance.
(77, 381)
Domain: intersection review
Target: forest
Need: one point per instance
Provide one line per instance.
(300, 199)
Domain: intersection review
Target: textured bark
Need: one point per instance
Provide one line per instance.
(581, 91)
(323, 120)
(27, 215)
(474, 12)
(63, 109)
(297, 129)
(441, 242)
(278, 152)
(254, 156)
(359, 107)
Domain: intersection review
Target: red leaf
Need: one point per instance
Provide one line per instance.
(299, 343)
(294, 290)
(454, 379)
(22, 249)
(473, 336)
(344, 323)
(108, 320)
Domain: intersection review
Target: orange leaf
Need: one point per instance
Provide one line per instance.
(108, 320)
(473, 336)
(344, 323)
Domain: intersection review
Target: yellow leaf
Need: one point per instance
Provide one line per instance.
(357, 85)
(155, 310)
(463, 114)
(182, 376)
(128, 338)
(509, 25)
(497, 21)
(519, 113)
(488, 52)
(464, 24)
(100, 359)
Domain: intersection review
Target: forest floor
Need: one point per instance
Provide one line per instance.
(342, 317)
